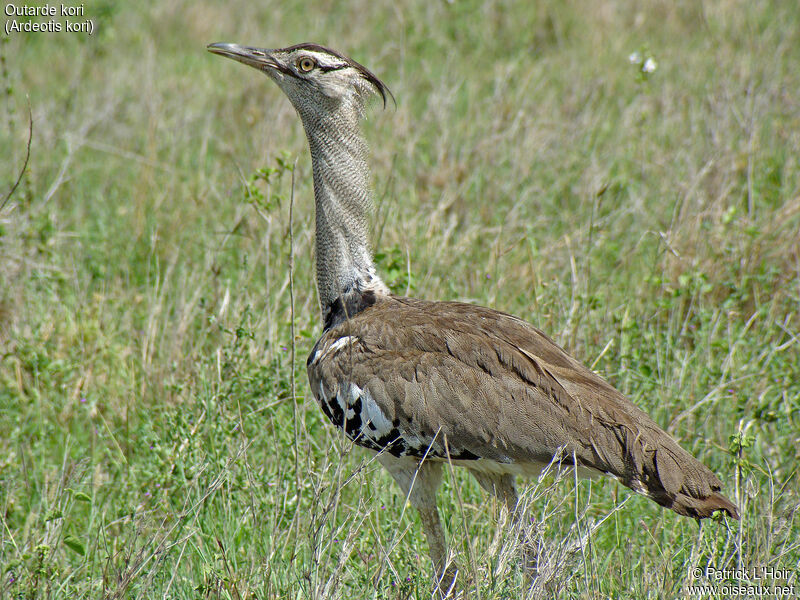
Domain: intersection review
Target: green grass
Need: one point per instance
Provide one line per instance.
(152, 442)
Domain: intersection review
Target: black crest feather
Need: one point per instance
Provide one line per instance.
(382, 88)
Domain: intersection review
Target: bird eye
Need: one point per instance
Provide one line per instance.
(305, 64)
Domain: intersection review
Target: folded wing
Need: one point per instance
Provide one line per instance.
(452, 380)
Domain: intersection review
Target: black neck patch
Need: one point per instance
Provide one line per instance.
(347, 306)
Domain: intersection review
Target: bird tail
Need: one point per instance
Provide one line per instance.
(702, 508)
(654, 465)
(678, 481)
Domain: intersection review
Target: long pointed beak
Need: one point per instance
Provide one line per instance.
(258, 58)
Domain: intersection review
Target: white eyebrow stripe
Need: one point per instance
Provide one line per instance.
(326, 61)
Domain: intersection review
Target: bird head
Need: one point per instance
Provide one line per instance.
(310, 75)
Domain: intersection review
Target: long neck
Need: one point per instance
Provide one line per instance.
(342, 192)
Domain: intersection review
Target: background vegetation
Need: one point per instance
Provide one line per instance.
(157, 436)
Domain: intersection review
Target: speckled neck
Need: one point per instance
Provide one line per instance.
(342, 193)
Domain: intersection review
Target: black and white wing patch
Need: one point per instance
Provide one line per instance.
(368, 421)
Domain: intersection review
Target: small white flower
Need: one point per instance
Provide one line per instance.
(649, 66)
(635, 58)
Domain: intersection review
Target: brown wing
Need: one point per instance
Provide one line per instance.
(405, 375)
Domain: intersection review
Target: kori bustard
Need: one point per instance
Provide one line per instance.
(422, 382)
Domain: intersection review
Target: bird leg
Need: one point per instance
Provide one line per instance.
(502, 487)
(419, 482)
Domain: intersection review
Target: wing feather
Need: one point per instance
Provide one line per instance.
(469, 382)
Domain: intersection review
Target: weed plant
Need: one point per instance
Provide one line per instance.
(157, 435)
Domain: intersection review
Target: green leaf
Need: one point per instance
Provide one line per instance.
(53, 514)
(75, 544)
(80, 496)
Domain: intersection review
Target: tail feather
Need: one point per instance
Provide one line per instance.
(683, 484)
(656, 466)
(683, 502)
(702, 508)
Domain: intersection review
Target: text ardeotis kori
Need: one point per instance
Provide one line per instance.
(440, 381)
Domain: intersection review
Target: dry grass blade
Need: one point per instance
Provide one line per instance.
(25, 163)
(150, 322)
